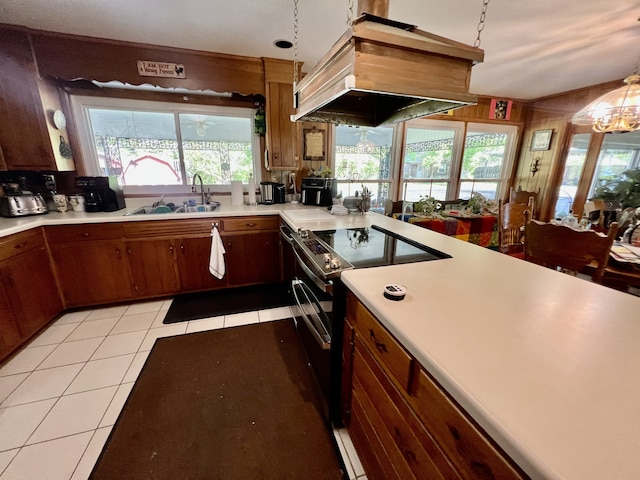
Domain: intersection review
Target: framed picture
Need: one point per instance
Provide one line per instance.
(314, 145)
(541, 140)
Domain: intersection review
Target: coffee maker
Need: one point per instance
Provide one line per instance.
(101, 194)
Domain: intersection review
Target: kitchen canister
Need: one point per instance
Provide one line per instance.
(237, 197)
(77, 203)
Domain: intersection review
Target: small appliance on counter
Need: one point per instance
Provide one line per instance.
(272, 192)
(101, 194)
(18, 203)
(319, 191)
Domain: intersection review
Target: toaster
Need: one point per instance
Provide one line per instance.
(23, 204)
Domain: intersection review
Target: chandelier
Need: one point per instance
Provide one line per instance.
(616, 111)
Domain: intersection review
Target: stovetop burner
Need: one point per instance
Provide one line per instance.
(375, 246)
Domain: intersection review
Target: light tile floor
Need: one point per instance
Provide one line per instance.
(61, 395)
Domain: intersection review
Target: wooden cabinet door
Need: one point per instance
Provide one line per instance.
(92, 273)
(193, 262)
(153, 268)
(24, 139)
(281, 131)
(34, 292)
(252, 257)
(9, 333)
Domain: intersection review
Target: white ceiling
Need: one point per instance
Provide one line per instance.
(533, 48)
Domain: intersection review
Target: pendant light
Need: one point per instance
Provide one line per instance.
(617, 111)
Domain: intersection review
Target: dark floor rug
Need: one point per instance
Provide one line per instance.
(192, 306)
(236, 403)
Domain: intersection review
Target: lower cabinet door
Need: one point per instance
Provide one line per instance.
(9, 333)
(35, 296)
(92, 273)
(153, 267)
(193, 261)
(252, 257)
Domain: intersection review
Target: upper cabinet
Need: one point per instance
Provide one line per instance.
(23, 132)
(26, 138)
(281, 138)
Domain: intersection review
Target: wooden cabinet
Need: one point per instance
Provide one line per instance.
(281, 131)
(153, 267)
(193, 263)
(112, 262)
(29, 296)
(179, 251)
(90, 262)
(402, 423)
(252, 247)
(24, 139)
(281, 137)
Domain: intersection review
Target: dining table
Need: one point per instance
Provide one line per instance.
(477, 229)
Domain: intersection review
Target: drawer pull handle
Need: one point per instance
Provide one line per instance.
(251, 225)
(85, 234)
(19, 245)
(379, 345)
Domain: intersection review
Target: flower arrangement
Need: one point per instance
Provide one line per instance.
(427, 206)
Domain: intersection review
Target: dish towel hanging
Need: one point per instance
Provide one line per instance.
(216, 258)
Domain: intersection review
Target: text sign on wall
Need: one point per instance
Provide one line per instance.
(161, 69)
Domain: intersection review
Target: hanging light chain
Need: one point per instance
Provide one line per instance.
(350, 13)
(481, 23)
(295, 42)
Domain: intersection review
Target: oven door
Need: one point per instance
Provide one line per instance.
(313, 319)
(313, 315)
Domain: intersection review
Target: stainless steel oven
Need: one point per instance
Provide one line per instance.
(315, 261)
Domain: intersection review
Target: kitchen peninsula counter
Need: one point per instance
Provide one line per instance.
(547, 364)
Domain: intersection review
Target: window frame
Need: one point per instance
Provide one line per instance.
(80, 104)
(461, 129)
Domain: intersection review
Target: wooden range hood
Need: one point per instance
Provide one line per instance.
(382, 71)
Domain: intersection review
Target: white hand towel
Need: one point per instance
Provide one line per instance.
(216, 258)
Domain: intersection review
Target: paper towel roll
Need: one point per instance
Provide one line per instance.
(252, 191)
(237, 198)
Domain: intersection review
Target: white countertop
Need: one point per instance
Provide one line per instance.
(547, 364)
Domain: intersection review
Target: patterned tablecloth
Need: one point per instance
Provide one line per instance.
(481, 229)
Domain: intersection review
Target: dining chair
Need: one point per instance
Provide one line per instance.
(568, 249)
(523, 196)
(512, 218)
(594, 210)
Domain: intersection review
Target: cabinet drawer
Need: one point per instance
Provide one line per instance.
(169, 228)
(412, 450)
(248, 224)
(76, 233)
(20, 242)
(465, 444)
(391, 355)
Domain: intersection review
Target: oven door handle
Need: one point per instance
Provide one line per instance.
(326, 287)
(316, 326)
(285, 235)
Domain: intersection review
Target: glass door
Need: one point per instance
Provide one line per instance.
(572, 173)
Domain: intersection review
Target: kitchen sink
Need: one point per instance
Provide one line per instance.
(163, 209)
(212, 207)
(152, 210)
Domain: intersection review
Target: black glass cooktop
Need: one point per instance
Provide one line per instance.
(375, 247)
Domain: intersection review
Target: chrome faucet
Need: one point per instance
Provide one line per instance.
(204, 196)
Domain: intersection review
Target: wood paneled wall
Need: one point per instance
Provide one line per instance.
(71, 57)
(555, 113)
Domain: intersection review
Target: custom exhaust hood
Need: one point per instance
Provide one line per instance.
(382, 71)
